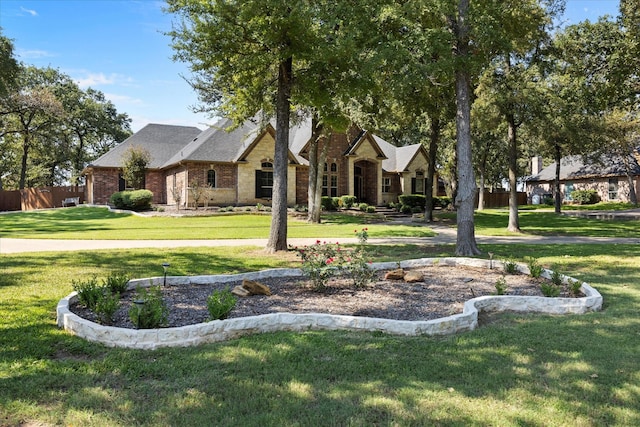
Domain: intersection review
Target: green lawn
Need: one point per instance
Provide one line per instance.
(517, 370)
(493, 222)
(98, 223)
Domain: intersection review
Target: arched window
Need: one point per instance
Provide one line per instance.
(211, 178)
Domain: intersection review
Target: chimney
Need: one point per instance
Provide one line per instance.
(536, 165)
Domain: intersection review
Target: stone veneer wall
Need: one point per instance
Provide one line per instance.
(220, 330)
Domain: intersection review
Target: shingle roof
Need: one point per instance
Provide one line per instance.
(398, 158)
(161, 141)
(219, 145)
(574, 167)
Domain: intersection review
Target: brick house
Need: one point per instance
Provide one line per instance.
(236, 167)
(607, 176)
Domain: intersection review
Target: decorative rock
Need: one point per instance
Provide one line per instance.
(413, 276)
(397, 274)
(255, 288)
(240, 291)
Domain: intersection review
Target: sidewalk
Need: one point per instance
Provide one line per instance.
(445, 235)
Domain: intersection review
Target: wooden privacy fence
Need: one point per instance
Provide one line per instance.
(10, 200)
(38, 198)
(500, 199)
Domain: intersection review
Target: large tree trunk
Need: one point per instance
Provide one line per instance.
(556, 181)
(431, 169)
(26, 144)
(466, 240)
(514, 221)
(278, 233)
(633, 198)
(314, 209)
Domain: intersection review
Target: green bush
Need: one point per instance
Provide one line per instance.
(405, 209)
(370, 209)
(510, 267)
(441, 202)
(220, 304)
(348, 201)
(107, 305)
(89, 291)
(328, 204)
(116, 282)
(535, 269)
(550, 290)
(585, 197)
(413, 200)
(501, 286)
(137, 200)
(149, 311)
(363, 206)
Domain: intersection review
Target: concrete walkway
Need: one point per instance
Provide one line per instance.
(446, 235)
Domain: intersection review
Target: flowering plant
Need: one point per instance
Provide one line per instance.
(362, 235)
(321, 261)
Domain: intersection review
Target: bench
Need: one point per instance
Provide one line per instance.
(75, 201)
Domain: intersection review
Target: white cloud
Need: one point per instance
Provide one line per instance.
(101, 79)
(33, 54)
(29, 11)
(123, 99)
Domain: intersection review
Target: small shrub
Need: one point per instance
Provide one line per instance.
(550, 290)
(357, 266)
(116, 283)
(370, 209)
(89, 291)
(413, 200)
(326, 203)
(548, 201)
(501, 286)
(106, 306)
(259, 207)
(535, 269)
(441, 202)
(363, 206)
(405, 209)
(220, 304)
(137, 200)
(247, 209)
(556, 277)
(585, 197)
(318, 262)
(510, 267)
(575, 287)
(151, 311)
(348, 201)
(416, 209)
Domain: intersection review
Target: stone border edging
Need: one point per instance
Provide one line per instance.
(221, 330)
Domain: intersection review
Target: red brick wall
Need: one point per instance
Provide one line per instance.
(226, 175)
(154, 182)
(105, 183)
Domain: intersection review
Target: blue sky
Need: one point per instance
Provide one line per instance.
(118, 47)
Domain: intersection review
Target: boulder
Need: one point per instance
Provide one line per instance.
(255, 288)
(413, 276)
(397, 274)
(240, 291)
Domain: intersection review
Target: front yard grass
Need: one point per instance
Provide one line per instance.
(517, 370)
(91, 223)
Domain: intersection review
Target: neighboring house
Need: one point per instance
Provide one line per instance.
(237, 166)
(608, 177)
